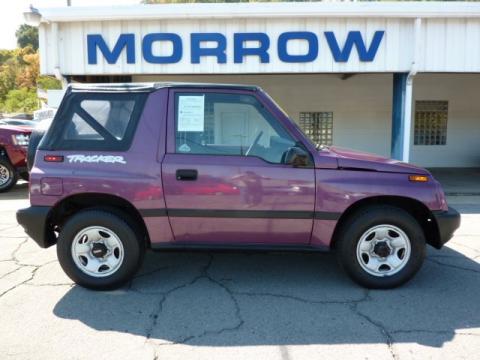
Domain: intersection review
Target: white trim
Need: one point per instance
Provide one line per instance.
(407, 125)
(264, 10)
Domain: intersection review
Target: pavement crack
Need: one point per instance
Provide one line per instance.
(164, 295)
(435, 332)
(151, 272)
(11, 272)
(300, 299)
(386, 334)
(453, 266)
(204, 274)
(231, 294)
(32, 275)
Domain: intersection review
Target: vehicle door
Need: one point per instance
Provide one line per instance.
(225, 176)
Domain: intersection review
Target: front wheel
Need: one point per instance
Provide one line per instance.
(381, 247)
(99, 250)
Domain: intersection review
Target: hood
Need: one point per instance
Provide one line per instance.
(358, 160)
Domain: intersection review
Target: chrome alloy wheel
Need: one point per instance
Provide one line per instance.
(97, 251)
(383, 250)
(5, 175)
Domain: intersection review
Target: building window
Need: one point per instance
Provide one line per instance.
(318, 126)
(431, 122)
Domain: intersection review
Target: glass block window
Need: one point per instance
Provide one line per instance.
(318, 126)
(431, 122)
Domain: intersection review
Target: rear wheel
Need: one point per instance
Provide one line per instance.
(100, 250)
(8, 175)
(381, 247)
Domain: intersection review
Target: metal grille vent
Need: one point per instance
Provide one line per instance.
(318, 126)
(431, 119)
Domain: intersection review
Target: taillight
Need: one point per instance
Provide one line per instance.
(53, 158)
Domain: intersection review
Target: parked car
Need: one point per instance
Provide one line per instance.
(19, 122)
(124, 168)
(22, 116)
(35, 137)
(13, 151)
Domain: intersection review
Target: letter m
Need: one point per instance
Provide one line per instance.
(354, 38)
(95, 41)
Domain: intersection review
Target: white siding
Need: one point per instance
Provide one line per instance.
(447, 45)
(392, 55)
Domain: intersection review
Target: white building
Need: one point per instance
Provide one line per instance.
(397, 79)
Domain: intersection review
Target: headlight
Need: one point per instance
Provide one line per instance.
(21, 139)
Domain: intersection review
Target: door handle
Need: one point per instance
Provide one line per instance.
(186, 174)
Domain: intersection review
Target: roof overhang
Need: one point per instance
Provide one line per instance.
(258, 10)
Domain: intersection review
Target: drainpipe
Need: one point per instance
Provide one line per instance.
(407, 129)
(56, 56)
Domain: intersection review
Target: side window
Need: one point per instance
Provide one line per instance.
(113, 115)
(97, 121)
(228, 124)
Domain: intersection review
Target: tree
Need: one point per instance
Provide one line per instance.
(48, 83)
(24, 100)
(27, 36)
(27, 77)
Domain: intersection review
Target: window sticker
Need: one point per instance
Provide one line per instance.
(191, 113)
(184, 148)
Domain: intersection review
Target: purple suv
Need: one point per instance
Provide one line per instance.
(125, 168)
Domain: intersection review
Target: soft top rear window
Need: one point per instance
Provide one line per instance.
(95, 121)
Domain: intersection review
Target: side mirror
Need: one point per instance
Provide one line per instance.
(297, 157)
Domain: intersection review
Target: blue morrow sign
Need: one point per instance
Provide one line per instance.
(340, 52)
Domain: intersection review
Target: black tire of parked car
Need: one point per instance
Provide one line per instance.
(24, 176)
(12, 175)
(131, 237)
(357, 224)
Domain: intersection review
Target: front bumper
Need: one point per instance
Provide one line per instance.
(34, 221)
(447, 222)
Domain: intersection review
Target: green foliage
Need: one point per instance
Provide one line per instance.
(27, 36)
(8, 76)
(48, 83)
(21, 100)
(6, 55)
(19, 75)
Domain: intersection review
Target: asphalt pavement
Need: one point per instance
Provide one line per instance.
(237, 305)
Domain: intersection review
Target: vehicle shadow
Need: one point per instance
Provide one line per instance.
(18, 192)
(245, 299)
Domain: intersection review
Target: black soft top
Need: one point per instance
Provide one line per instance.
(152, 86)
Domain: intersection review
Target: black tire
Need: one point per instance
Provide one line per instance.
(133, 248)
(25, 176)
(358, 224)
(10, 173)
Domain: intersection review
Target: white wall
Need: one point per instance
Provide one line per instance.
(463, 130)
(361, 104)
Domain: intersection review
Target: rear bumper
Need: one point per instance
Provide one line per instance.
(447, 222)
(34, 221)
